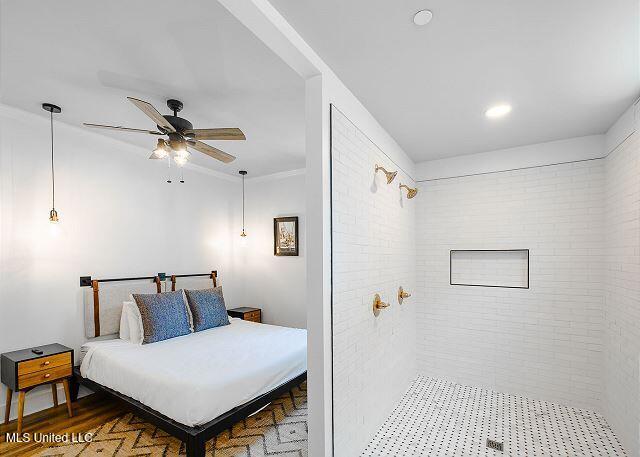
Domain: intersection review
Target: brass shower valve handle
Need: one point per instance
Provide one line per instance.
(402, 295)
(378, 304)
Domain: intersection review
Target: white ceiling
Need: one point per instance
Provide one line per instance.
(568, 67)
(87, 56)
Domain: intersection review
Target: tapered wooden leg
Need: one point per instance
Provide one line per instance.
(7, 406)
(54, 394)
(20, 409)
(67, 395)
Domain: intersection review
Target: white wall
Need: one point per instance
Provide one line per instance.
(118, 218)
(373, 252)
(275, 284)
(544, 342)
(622, 285)
(322, 89)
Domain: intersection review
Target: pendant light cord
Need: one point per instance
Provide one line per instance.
(53, 175)
(243, 203)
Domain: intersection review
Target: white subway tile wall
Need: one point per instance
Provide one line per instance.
(545, 342)
(622, 293)
(373, 252)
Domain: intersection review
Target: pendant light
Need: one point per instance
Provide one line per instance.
(243, 173)
(53, 214)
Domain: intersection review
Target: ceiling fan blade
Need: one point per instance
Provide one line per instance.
(211, 151)
(149, 110)
(215, 134)
(119, 127)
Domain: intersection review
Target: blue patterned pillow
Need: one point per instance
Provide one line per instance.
(163, 316)
(207, 308)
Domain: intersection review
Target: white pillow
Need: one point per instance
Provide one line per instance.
(136, 333)
(124, 323)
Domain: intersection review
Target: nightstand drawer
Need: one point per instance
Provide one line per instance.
(253, 316)
(42, 376)
(44, 363)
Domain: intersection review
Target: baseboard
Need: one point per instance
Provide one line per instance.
(39, 399)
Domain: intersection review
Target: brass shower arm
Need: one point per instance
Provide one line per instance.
(389, 174)
(411, 192)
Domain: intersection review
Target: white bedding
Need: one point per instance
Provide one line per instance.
(194, 378)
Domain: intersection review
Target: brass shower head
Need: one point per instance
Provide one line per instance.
(389, 174)
(411, 192)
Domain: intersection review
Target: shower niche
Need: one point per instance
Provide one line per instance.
(508, 268)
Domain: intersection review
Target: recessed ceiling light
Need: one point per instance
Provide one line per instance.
(498, 111)
(422, 17)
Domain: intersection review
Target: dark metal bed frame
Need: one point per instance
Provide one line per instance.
(196, 437)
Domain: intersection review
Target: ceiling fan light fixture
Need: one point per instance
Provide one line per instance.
(182, 152)
(179, 130)
(161, 151)
(180, 160)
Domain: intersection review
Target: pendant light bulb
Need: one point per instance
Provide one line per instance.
(53, 214)
(243, 235)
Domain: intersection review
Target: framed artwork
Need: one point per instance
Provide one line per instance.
(285, 236)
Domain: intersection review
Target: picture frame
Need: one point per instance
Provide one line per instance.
(285, 236)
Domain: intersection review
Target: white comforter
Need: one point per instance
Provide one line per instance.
(195, 378)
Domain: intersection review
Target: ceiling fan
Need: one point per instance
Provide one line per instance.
(180, 132)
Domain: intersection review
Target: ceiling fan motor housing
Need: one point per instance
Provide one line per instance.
(178, 123)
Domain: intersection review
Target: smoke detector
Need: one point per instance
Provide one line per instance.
(422, 17)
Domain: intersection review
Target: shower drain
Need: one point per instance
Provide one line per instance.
(497, 445)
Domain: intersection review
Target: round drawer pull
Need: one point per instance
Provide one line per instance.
(44, 364)
(48, 375)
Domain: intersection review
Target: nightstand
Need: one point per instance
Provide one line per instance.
(246, 313)
(23, 370)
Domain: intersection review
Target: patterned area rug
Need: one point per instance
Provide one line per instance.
(280, 429)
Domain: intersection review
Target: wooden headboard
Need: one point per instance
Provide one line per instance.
(103, 297)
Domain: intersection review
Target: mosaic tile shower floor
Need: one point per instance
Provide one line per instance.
(441, 418)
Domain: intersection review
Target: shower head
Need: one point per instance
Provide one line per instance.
(389, 174)
(411, 192)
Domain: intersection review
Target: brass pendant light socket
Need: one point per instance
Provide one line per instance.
(378, 304)
(402, 295)
(53, 216)
(391, 175)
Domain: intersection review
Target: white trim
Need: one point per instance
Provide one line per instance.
(533, 155)
(278, 175)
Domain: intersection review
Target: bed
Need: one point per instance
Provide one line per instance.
(193, 386)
